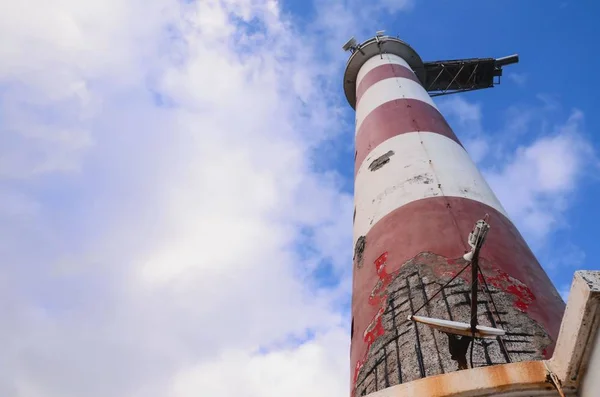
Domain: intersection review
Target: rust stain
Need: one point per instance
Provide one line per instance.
(524, 377)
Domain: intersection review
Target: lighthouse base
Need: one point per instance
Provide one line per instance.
(569, 372)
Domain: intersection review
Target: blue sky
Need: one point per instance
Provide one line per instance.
(176, 180)
(542, 90)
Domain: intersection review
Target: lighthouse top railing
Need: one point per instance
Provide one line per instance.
(438, 77)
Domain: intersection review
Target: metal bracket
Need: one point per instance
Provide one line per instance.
(454, 76)
(554, 379)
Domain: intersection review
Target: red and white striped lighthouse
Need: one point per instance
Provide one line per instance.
(417, 196)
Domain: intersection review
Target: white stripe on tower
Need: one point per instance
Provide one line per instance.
(386, 91)
(372, 63)
(420, 165)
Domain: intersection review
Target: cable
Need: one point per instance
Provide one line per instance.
(500, 322)
(440, 290)
(491, 297)
(474, 263)
(472, 344)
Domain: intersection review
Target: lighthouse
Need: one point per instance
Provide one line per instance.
(418, 197)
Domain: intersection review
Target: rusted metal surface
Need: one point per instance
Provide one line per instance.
(527, 378)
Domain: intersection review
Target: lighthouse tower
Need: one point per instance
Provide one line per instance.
(418, 195)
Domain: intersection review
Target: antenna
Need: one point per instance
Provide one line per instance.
(350, 45)
(458, 328)
(466, 330)
(379, 33)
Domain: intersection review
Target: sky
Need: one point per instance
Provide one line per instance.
(176, 180)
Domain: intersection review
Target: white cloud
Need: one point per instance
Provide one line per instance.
(466, 119)
(535, 182)
(550, 102)
(566, 255)
(397, 5)
(152, 249)
(518, 78)
(310, 369)
(478, 148)
(463, 110)
(535, 185)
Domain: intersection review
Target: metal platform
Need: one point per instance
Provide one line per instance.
(459, 75)
(438, 77)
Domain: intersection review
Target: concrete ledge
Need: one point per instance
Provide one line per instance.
(577, 353)
(497, 380)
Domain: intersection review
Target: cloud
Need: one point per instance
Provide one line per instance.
(458, 107)
(466, 117)
(398, 5)
(311, 368)
(166, 221)
(518, 78)
(535, 179)
(535, 185)
(566, 255)
(550, 102)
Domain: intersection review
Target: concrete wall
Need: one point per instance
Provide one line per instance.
(591, 381)
(574, 369)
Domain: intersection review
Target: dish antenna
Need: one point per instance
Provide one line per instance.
(351, 45)
(467, 331)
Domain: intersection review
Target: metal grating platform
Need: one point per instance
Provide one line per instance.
(453, 76)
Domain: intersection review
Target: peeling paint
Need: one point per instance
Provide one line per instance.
(397, 293)
(501, 280)
(381, 161)
(421, 178)
(375, 329)
(359, 249)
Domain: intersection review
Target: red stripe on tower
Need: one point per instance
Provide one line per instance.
(383, 72)
(399, 116)
(417, 196)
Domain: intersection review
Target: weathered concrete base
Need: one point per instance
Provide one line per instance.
(403, 351)
(573, 370)
(515, 379)
(577, 353)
